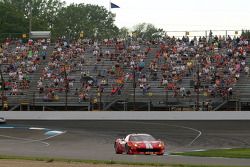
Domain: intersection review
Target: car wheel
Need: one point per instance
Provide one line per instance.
(116, 149)
(160, 154)
(127, 149)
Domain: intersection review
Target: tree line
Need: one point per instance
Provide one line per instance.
(68, 21)
(55, 16)
(246, 34)
(92, 21)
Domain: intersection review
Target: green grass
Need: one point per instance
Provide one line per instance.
(226, 153)
(111, 162)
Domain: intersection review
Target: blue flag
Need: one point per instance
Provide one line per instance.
(114, 5)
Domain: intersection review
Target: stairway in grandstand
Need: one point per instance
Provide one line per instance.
(241, 93)
(26, 96)
(34, 77)
(157, 96)
(242, 88)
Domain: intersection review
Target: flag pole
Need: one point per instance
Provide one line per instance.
(109, 5)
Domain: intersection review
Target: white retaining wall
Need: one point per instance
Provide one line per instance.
(122, 115)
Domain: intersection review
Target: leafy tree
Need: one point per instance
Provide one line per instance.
(139, 30)
(123, 33)
(11, 21)
(46, 13)
(147, 31)
(152, 32)
(245, 34)
(93, 20)
(42, 12)
(210, 36)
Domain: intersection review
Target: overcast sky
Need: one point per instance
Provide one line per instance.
(180, 14)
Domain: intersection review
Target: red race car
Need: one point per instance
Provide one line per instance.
(139, 144)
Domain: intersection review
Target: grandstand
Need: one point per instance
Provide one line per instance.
(173, 74)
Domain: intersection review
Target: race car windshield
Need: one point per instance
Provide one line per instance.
(142, 138)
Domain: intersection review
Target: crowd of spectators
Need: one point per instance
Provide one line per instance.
(86, 70)
(18, 62)
(213, 66)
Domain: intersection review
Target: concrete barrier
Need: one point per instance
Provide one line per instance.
(128, 115)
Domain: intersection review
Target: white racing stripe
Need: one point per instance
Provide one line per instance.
(148, 145)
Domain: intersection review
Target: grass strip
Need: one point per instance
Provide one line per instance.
(51, 160)
(225, 153)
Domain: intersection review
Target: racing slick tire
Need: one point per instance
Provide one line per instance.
(116, 149)
(127, 149)
(160, 154)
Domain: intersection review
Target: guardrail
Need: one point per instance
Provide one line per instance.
(128, 115)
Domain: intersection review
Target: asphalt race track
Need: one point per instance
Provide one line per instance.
(95, 139)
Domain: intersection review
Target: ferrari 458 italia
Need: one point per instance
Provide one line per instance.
(139, 144)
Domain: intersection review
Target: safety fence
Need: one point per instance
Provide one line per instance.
(204, 33)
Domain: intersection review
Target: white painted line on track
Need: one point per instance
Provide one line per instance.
(200, 150)
(6, 127)
(166, 154)
(34, 128)
(24, 139)
(53, 132)
(177, 126)
(27, 140)
(42, 140)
